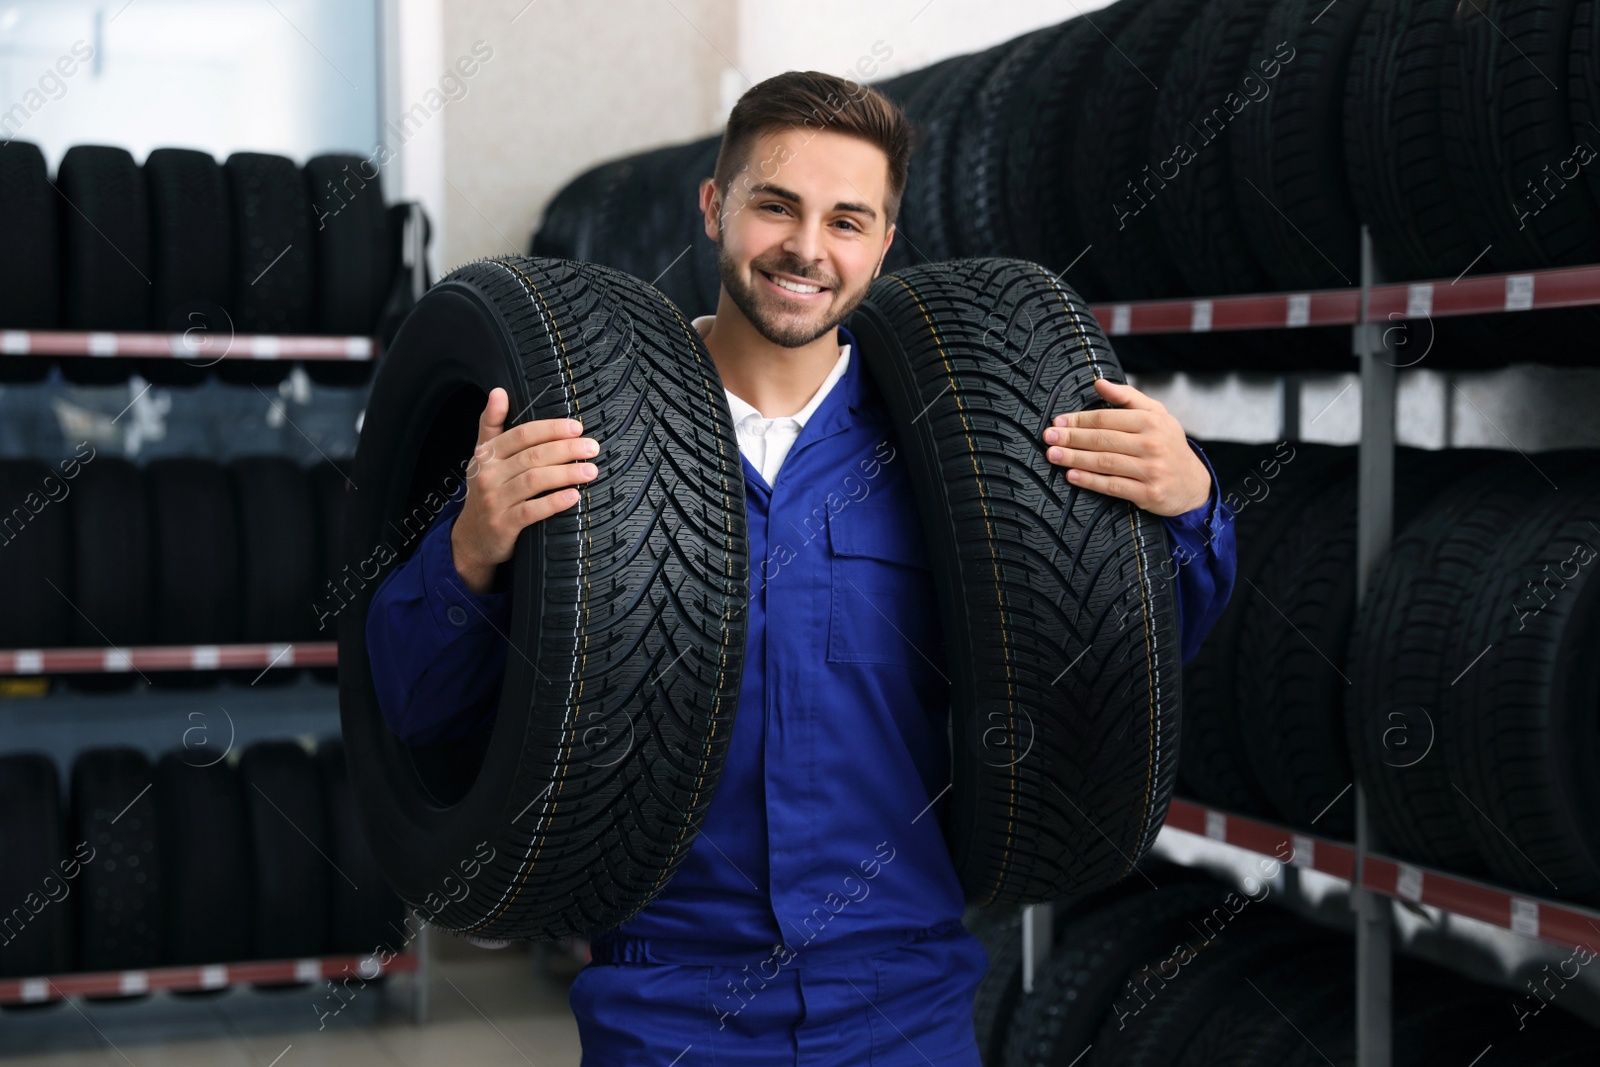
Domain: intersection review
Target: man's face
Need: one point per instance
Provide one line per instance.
(807, 209)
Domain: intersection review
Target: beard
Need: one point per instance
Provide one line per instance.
(772, 320)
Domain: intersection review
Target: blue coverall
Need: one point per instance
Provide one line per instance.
(831, 796)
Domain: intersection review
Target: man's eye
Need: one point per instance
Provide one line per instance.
(850, 224)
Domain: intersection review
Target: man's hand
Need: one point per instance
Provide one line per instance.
(1135, 450)
(509, 469)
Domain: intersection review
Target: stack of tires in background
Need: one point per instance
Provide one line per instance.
(178, 551)
(194, 859)
(1173, 968)
(255, 245)
(1463, 691)
(1164, 148)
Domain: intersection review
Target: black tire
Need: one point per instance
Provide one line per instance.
(1288, 150)
(278, 557)
(330, 489)
(105, 252)
(1047, 211)
(1394, 147)
(1523, 748)
(1000, 931)
(703, 250)
(486, 325)
(273, 275)
(1274, 1006)
(197, 588)
(974, 358)
(119, 891)
(930, 199)
(112, 564)
(39, 874)
(1130, 252)
(351, 240)
(363, 913)
(1058, 1021)
(1199, 222)
(30, 277)
(1150, 1024)
(645, 223)
(1505, 119)
(205, 850)
(1401, 663)
(1265, 490)
(35, 555)
(1299, 620)
(1583, 85)
(191, 255)
(989, 121)
(290, 848)
(920, 197)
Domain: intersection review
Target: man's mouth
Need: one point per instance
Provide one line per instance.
(793, 288)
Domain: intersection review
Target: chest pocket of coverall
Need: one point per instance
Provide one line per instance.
(884, 606)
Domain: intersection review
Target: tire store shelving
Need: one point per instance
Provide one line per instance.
(210, 349)
(1375, 879)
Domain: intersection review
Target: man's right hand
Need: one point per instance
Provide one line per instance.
(512, 467)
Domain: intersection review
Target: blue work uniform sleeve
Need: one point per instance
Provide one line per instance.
(1204, 561)
(437, 649)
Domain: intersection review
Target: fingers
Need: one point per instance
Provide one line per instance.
(1129, 489)
(1124, 395)
(1117, 463)
(542, 479)
(1127, 444)
(492, 422)
(1128, 420)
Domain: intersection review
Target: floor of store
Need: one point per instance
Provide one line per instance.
(487, 1008)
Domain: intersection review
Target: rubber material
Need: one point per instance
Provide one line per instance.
(119, 892)
(210, 879)
(651, 564)
(290, 850)
(1052, 597)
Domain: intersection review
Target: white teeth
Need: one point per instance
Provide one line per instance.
(795, 287)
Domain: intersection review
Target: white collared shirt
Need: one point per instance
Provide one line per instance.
(765, 442)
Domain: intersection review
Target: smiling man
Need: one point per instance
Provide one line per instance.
(816, 919)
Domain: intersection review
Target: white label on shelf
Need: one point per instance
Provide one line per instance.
(1200, 316)
(1300, 309)
(117, 660)
(1216, 826)
(205, 657)
(307, 970)
(1419, 300)
(213, 977)
(102, 344)
(135, 982)
(1409, 884)
(280, 655)
(1525, 917)
(264, 346)
(35, 990)
(14, 342)
(1121, 318)
(358, 347)
(1305, 851)
(30, 661)
(1519, 292)
(369, 968)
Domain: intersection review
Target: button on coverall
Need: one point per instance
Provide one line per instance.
(817, 916)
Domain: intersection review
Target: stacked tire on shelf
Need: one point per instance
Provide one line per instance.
(1238, 146)
(181, 244)
(1174, 969)
(180, 551)
(1457, 692)
(194, 859)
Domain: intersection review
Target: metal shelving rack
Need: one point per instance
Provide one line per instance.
(206, 348)
(1375, 879)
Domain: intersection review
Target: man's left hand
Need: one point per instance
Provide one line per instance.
(1135, 450)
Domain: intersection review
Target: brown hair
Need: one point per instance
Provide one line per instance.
(811, 99)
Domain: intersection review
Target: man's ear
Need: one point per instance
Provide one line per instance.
(888, 239)
(711, 206)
